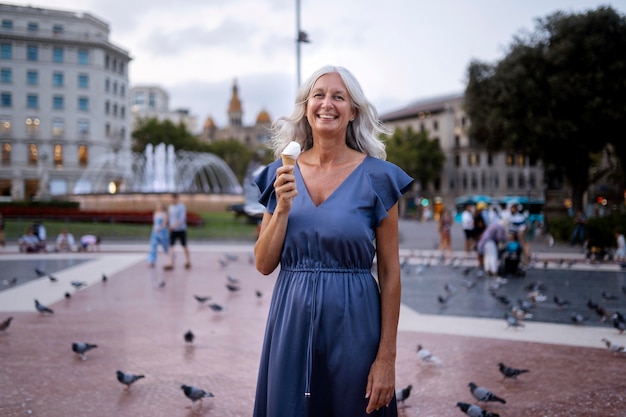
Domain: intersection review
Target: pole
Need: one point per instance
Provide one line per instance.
(298, 44)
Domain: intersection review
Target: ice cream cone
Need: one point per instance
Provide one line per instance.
(288, 160)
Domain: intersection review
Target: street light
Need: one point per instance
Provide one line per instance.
(303, 37)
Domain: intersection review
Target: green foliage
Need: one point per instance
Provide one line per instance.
(234, 153)
(559, 95)
(153, 131)
(416, 154)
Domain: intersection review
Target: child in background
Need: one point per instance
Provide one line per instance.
(620, 253)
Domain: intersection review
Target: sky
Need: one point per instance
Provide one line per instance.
(401, 51)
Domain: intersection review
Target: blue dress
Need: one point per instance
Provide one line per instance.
(323, 326)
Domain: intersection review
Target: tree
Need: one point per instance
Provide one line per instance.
(151, 130)
(559, 95)
(416, 154)
(234, 153)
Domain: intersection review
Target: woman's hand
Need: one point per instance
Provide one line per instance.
(380, 384)
(285, 187)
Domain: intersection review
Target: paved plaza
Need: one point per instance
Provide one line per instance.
(138, 317)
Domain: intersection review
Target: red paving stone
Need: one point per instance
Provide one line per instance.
(139, 328)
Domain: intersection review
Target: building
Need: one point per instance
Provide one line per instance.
(469, 168)
(63, 99)
(254, 136)
(153, 102)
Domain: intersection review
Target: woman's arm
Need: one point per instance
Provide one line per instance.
(382, 379)
(269, 245)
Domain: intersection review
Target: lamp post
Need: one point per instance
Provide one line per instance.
(303, 37)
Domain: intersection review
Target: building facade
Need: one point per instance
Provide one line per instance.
(63, 99)
(253, 135)
(469, 169)
(154, 102)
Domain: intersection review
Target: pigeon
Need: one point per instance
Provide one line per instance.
(591, 305)
(11, 281)
(223, 263)
(232, 279)
(189, 336)
(259, 294)
(5, 324)
(78, 284)
(426, 356)
(619, 316)
(561, 302)
(68, 295)
(52, 278)
(513, 321)
(194, 393)
(216, 307)
(42, 308)
(602, 312)
(609, 297)
(449, 288)
(232, 288)
(510, 372)
(231, 257)
(535, 286)
(474, 410)
(201, 299)
(619, 325)
(81, 348)
(104, 278)
(443, 301)
(403, 394)
(578, 318)
(483, 394)
(40, 272)
(613, 347)
(127, 379)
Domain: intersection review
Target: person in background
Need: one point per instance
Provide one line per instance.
(89, 243)
(65, 241)
(177, 217)
(488, 248)
(467, 223)
(620, 253)
(159, 235)
(30, 243)
(330, 340)
(445, 233)
(480, 220)
(3, 241)
(579, 235)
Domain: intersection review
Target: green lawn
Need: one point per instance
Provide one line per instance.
(217, 226)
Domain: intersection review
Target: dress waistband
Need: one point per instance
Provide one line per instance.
(315, 269)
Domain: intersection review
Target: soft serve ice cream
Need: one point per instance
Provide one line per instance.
(290, 153)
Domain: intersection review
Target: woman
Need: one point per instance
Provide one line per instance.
(445, 235)
(330, 341)
(159, 235)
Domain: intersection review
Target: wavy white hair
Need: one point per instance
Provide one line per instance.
(362, 133)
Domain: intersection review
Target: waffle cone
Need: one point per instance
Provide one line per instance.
(288, 160)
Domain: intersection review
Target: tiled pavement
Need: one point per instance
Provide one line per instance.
(139, 315)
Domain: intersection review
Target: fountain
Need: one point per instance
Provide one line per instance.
(160, 169)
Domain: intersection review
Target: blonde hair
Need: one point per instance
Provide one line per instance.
(362, 133)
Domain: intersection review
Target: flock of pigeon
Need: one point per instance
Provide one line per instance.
(81, 348)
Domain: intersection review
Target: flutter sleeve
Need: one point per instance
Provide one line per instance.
(389, 183)
(265, 181)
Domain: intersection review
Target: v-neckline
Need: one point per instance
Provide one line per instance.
(333, 192)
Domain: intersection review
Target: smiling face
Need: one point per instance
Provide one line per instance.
(329, 106)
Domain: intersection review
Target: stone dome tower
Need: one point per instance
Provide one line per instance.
(235, 113)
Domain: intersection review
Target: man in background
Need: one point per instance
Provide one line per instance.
(178, 230)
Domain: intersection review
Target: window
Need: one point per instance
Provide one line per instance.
(57, 79)
(457, 160)
(122, 90)
(435, 125)
(115, 110)
(509, 180)
(58, 102)
(57, 55)
(5, 125)
(6, 77)
(6, 51)
(83, 127)
(107, 130)
(57, 29)
(32, 77)
(83, 103)
(83, 57)
(139, 99)
(122, 112)
(33, 26)
(33, 154)
(32, 101)
(107, 85)
(152, 101)
(107, 107)
(83, 155)
(58, 155)
(58, 127)
(6, 154)
(521, 160)
(121, 68)
(32, 125)
(107, 62)
(521, 181)
(114, 87)
(114, 67)
(7, 24)
(6, 100)
(509, 159)
(32, 52)
(83, 81)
